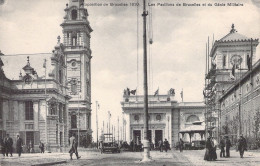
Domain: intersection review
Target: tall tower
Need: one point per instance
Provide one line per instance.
(76, 37)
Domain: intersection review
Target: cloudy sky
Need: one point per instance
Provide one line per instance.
(177, 53)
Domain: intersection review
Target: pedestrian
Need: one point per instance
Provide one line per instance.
(30, 148)
(8, 145)
(132, 145)
(166, 145)
(222, 147)
(209, 148)
(2, 144)
(242, 145)
(214, 144)
(181, 145)
(19, 145)
(41, 146)
(73, 146)
(160, 145)
(101, 146)
(228, 145)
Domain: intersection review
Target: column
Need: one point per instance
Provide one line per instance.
(36, 115)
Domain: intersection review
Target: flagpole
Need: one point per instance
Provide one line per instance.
(146, 156)
(46, 110)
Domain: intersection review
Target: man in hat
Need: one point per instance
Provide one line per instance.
(242, 145)
(228, 145)
(19, 145)
(73, 146)
(222, 147)
(8, 145)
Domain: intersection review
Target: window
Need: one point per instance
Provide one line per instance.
(1, 109)
(28, 110)
(52, 109)
(224, 61)
(60, 112)
(60, 76)
(73, 87)
(29, 138)
(74, 41)
(192, 118)
(74, 14)
(136, 117)
(73, 121)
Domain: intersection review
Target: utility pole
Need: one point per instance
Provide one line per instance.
(146, 156)
(118, 130)
(97, 107)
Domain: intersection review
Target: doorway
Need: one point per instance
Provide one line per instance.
(137, 135)
(158, 137)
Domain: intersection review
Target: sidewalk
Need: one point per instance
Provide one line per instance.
(33, 159)
(196, 157)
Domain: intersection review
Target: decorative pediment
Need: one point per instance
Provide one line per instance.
(52, 101)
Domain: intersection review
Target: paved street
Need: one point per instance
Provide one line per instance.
(171, 158)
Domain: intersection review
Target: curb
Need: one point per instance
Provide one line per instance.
(51, 163)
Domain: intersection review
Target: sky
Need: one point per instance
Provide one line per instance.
(176, 57)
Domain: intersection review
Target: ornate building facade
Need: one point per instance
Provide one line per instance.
(76, 37)
(49, 110)
(231, 57)
(167, 118)
(34, 103)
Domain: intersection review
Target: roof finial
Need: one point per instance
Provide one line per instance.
(58, 39)
(233, 30)
(28, 60)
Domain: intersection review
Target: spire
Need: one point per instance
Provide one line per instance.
(233, 30)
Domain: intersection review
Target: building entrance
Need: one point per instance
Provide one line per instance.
(158, 137)
(137, 135)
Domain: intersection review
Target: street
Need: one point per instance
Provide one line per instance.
(171, 158)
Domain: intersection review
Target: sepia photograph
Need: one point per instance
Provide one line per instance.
(130, 82)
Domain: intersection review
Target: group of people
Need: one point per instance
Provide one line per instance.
(7, 146)
(164, 145)
(224, 145)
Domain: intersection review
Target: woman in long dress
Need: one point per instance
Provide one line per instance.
(209, 149)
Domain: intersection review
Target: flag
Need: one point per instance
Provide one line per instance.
(44, 63)
(109, 114)
(156, 92)
(133, 92)
(181, 94)
(128, 91)
(98, 105)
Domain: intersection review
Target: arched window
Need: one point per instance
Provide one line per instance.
(192, 118)
(60, 76)
(224, 61)
(73, 121)
(74, 14)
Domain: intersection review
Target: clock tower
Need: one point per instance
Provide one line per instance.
(76, 39)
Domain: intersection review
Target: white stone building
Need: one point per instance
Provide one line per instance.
(167, 117)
